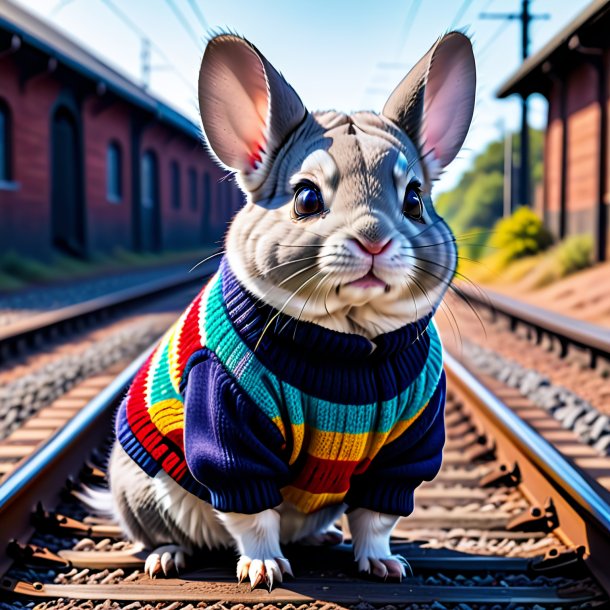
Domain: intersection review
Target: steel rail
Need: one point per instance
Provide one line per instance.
(568, 330)
(60, 457)
(28, 330)
(567, 479)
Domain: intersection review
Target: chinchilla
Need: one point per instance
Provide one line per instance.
(305, 380)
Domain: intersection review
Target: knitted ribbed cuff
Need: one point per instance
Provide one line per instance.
(247, 497)
(389, 498)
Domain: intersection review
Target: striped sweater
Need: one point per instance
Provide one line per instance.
(245, 419)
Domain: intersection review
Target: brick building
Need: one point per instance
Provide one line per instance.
(572, 71)
(89, 161)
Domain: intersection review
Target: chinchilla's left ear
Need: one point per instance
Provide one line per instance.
(247, 108)
(433, 104)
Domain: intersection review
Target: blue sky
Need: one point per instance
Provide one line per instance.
(338, 54)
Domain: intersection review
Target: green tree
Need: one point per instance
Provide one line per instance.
(476, 202)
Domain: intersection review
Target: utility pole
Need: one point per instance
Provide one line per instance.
(526, 18)
(145, 63)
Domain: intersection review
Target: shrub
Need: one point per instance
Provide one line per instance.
(519, 235)
(574, 254)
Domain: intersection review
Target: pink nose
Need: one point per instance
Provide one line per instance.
(372, 247)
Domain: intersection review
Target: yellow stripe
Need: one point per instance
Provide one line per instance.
(298, 437)
(167, 415)
(307, 502)
(344, 446)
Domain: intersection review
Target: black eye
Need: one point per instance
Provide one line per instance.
(413, 206)
(307, 200)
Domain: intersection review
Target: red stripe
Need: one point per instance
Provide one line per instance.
(320, 476)
(147, 433)
(189, 340)
(177, 436)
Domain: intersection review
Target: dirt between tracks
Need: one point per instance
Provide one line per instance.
(584, 295)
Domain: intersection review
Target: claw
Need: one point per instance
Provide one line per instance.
(152, 565)
(166, 558)
(242, 569)
(378, 568)
(167, 563)
(273, 572)
(256, 573)
(284, 566)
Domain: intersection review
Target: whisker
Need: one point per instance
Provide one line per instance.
(457, 291)
(474, 285)
(279, 312)
(305, 304)
(301, 246)
(296, 260)
(205, 260)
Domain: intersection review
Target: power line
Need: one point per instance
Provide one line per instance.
(146, 42)
(199, 14)
(409, 20)
(460, 13)
(499, 30)
(60, 6)
(184, 23)
(525, 17)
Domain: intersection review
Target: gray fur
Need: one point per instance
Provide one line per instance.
(362, 164)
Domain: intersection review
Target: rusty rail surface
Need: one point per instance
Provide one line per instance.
(580, 504)
(568, 331)
(564, 502)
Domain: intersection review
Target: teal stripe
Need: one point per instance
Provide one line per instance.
(248, 371)
(162, 387)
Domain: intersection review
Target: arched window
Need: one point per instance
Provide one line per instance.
(5, 144)
(175, 182)
(114, 177)
(193, 188)
(147, 226)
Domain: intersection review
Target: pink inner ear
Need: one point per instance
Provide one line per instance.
(234, 102)
(254, 157)
(449, 98)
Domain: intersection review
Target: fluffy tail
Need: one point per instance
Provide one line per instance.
(98, 501)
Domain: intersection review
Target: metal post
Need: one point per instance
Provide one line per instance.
(508, 174)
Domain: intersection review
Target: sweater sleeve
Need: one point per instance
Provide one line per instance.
(231, 446)
(388, 484)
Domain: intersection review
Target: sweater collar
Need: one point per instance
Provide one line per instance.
(250, 317)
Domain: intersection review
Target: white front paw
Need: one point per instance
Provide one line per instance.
(266, 571)
(371, 533)
(165, 559)
(392, 566)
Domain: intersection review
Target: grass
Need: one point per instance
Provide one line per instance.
(535, 271)
(18, 272)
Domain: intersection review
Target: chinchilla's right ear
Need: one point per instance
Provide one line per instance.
(247, 108)
(434, 102)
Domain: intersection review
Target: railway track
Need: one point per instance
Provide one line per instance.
(43, 385)
(507, 523)
(541, 323)
(34, 331)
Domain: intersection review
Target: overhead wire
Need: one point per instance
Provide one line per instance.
(197, 40)
(460, 13)
(199, 14)
(120, 14)
(409, 21)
